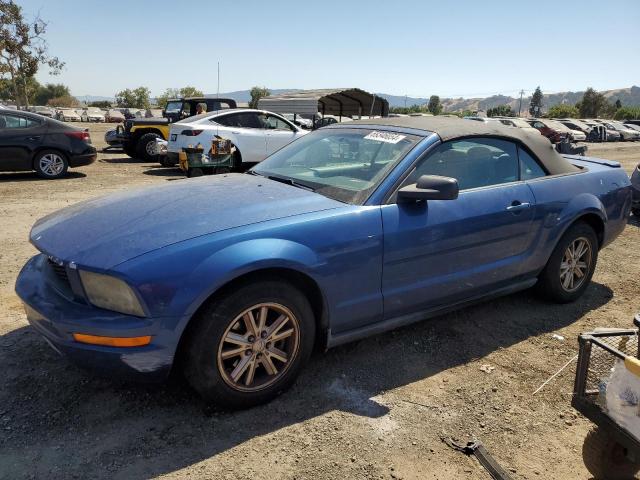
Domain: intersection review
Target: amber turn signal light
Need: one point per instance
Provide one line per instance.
(112, 341)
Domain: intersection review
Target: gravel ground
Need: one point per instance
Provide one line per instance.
(372, 409)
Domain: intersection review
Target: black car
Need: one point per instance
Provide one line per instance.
(29, 141)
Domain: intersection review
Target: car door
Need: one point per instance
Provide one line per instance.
(19, 137)
(279, 132)
(247, 132)
(441, 252)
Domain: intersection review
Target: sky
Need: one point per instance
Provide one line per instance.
(418, 48)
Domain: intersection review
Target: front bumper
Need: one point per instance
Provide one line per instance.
(56, 314)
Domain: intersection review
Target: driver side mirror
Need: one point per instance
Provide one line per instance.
(429, 187)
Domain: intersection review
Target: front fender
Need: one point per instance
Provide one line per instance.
(239, 259)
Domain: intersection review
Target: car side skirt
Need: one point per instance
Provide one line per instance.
(403, 320)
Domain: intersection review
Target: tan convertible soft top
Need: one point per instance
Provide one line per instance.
(449, 128)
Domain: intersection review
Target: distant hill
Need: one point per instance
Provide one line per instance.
(628, 96)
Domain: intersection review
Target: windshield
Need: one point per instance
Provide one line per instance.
(173, 107)
(344, 164)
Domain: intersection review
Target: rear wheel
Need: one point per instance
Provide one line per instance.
(249, 345)
(50, 164)
(146, 147)
(571, 265)
(605, 458)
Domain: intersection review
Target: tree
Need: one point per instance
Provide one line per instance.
(563, 110)
(100, 104)
(535, 106)
(434, 105)
(618, 104)
(256, 94)
(49, 91)
(593, 104)
(187, 91)
(23, 50)
(65, 101)
(627, 113)
(136, 98)
(500, 111)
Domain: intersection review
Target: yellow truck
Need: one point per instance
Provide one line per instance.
(138, 135)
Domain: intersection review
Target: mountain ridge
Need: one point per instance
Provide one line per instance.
(629, 96)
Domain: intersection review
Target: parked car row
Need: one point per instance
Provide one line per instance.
(575, 130)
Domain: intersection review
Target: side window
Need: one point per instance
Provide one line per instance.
(250, 120)
(476, 162)
(275, 123)
(13, 121)
(227, 120)
(529, 167)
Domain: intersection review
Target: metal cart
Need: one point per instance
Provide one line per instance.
(195, 162)
(610, 451)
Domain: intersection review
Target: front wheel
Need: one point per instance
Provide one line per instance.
(249, 345)
(571, 265)
(146, 148)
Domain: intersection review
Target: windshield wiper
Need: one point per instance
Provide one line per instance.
(251, 172)
(292, 182)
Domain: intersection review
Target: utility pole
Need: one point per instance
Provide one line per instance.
(520, 107)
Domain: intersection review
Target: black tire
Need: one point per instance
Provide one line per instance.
(204, 343)
(142, 147)
(50, 164)
(130, 149)
(605, 458)
(195, 172)
(549, 281)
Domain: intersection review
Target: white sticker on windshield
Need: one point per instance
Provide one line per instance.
(387, 137)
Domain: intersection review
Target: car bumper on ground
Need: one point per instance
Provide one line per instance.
(56, 315)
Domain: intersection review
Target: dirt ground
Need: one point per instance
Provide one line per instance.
(376, 408)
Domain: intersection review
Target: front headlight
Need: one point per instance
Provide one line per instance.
(111, 293)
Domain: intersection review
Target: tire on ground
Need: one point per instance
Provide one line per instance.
(141, 147)
(549, 284)
(605, 458)
(39, 164)
(204, 338)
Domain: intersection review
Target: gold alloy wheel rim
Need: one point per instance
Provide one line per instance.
(258, 347)
(575, 264)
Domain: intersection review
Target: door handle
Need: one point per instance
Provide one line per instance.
(36, 137)
(517, 206)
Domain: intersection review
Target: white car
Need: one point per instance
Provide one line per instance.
(92, 114)
(518, 123)
(255, 133)
(67, 115)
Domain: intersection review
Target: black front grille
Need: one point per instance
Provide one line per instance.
(60, 271)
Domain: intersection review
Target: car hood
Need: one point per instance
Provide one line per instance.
(107, 231)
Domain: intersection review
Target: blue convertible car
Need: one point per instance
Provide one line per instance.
(351, 230)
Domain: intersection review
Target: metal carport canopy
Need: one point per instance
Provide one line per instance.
(346, 102)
